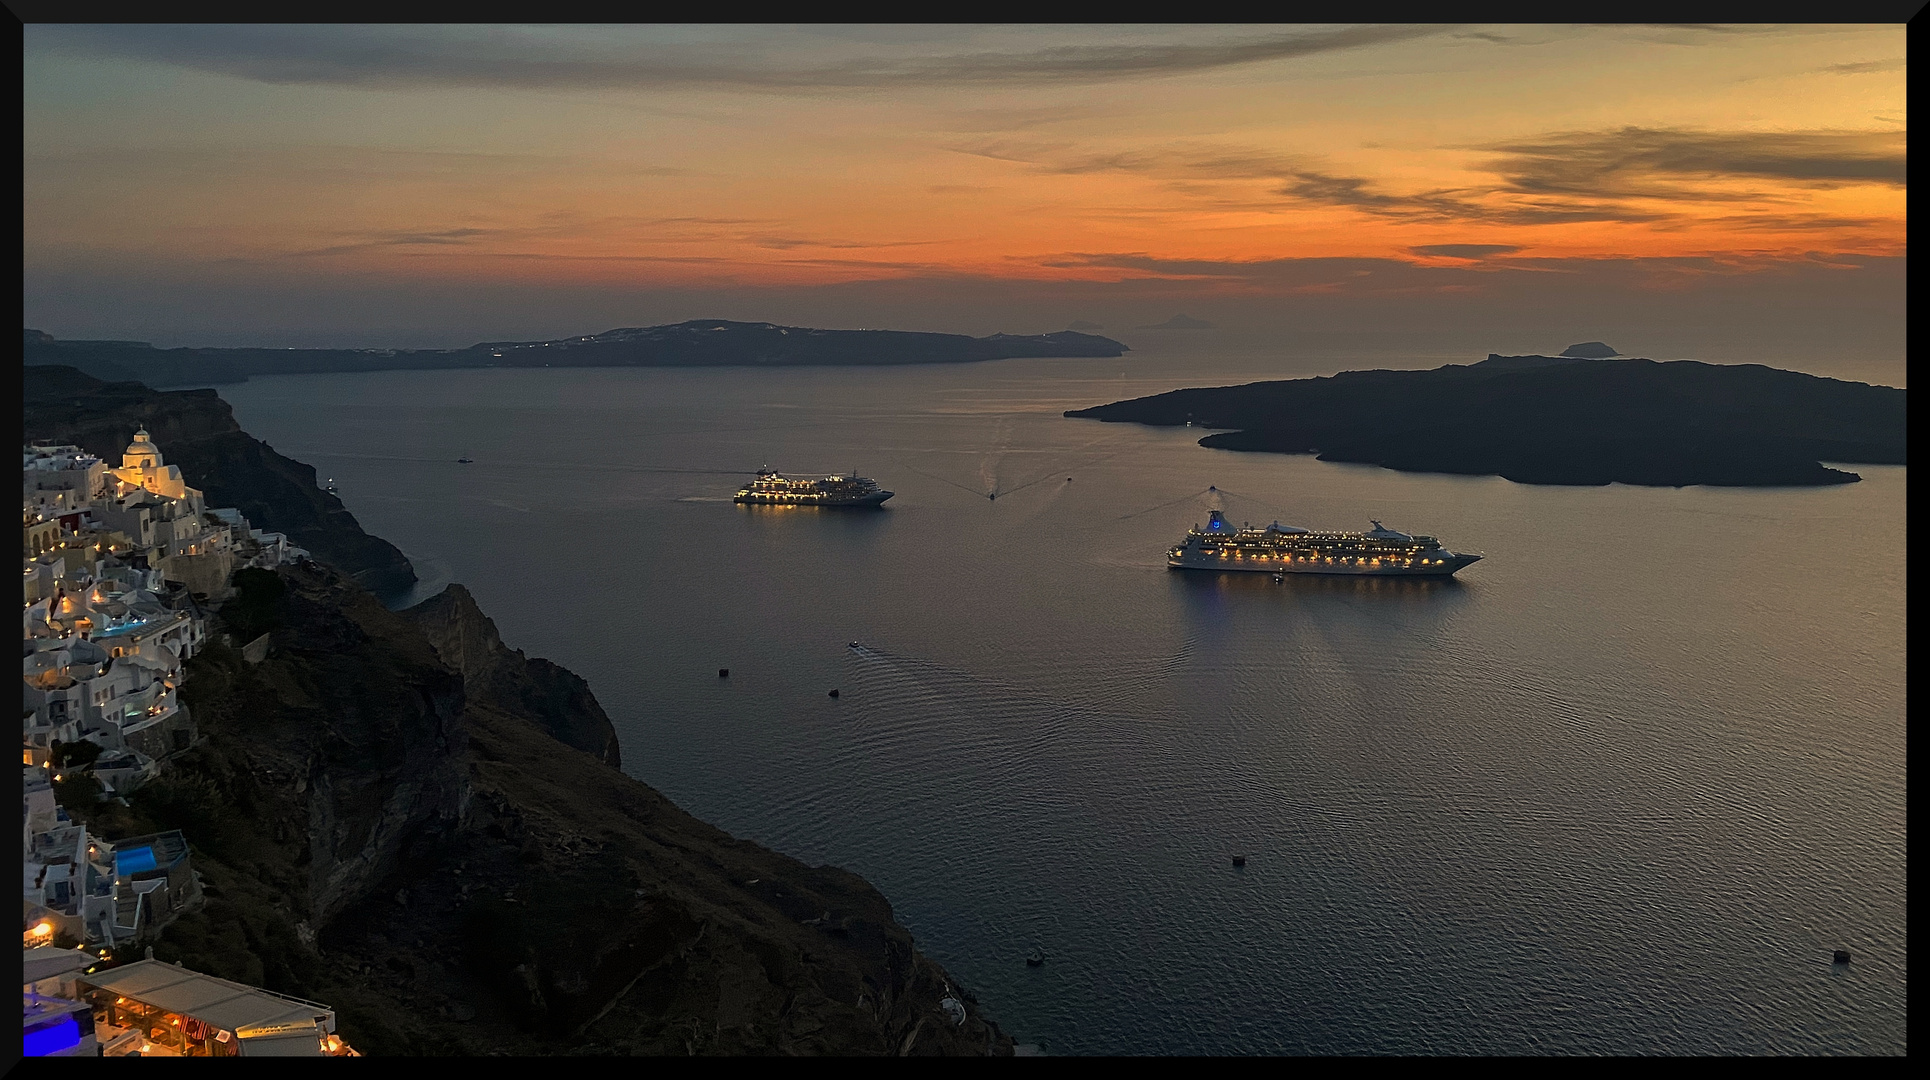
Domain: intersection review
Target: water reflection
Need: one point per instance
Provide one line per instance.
(1481, 808)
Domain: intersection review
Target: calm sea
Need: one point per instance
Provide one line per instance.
(1622, 787)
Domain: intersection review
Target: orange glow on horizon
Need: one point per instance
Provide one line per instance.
(1383, 159)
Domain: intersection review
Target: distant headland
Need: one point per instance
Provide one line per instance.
(697, 343)
(1570, 419)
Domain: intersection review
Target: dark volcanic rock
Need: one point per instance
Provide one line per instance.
(140, 361)
(553, 697)
(1498, 362)
(1557, 420)
(416, 849)
(702, 342)
(197, 431)
(1591, 350)
(390, 814)
(324, 768)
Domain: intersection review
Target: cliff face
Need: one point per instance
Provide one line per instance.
(408, 841)
(197, 431)
(396, 814)
(556, 699)
(322, 770)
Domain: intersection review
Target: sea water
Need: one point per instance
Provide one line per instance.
(1620, 787)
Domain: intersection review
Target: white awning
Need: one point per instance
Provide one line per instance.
(227, 1005)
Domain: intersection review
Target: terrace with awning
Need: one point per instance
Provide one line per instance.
(182, 1013)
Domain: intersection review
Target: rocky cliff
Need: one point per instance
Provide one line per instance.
(197, 431)
(552, 697)
(398, 815)
(386, 832)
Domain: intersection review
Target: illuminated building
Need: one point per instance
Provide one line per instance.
(171, 1011)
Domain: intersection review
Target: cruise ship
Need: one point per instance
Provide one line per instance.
(1283, 549)
(775, 489)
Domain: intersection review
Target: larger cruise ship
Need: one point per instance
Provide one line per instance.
(774, 489)
(1284, 549)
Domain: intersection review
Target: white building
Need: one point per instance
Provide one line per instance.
(60, 479)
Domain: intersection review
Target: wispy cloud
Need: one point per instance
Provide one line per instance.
(1388, 277)
(397, 57)
(1627, 175)
(441, 238)
(1866, 67)
(1208, 161)
(1464, 251)
(1651, 162)
(1793, 222)
(1630, 175)
(1450, 205)
(788, 243)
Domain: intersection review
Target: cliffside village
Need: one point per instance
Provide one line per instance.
(120, 568)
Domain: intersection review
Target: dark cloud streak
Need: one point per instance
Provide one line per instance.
(1642, 162)
(1464, 251)
(397, 57)
(1631, 175)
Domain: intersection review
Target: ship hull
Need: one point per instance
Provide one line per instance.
(875, 498)
(1447, 568)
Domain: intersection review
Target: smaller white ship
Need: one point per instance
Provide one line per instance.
(774, 489)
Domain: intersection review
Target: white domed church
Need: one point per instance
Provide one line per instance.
(143, 467)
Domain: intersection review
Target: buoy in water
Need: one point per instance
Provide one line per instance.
(1239, 860)
(1842, 956)
(1036, 958)
(854, 644)
(723, 673)
(834, 693)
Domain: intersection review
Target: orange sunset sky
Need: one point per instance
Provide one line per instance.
(395, 185)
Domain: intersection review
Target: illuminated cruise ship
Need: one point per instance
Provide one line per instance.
(1284, 549)
(774, 489)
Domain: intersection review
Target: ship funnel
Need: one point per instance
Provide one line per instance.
(1216, 522)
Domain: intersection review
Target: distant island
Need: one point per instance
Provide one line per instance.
(1591, 350)
(1557, 420)
(697, 343)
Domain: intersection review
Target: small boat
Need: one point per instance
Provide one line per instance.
(465, 461)
(1239, 860)
(1036, 958)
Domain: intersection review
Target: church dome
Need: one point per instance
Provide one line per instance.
(141, 453)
